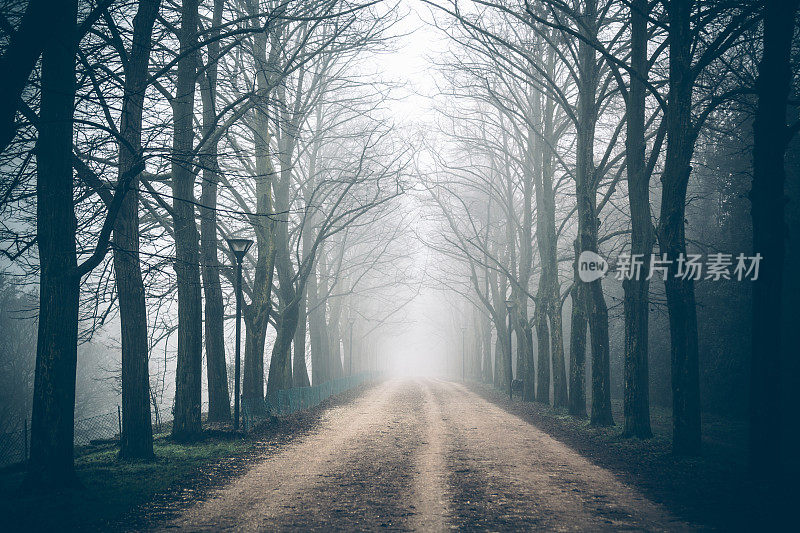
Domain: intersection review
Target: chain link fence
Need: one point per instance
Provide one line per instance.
(288, 401)
(91, 431)
(94, 430)
(14, 446)
(106, 428)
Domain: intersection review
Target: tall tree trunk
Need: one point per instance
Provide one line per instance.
(560, 393)
(219, 402)
(188, 378)
(136, 440)
(586, 189)
(498, 290)
(317, 332)
(525, 357)
(52, 426)
(637, 289)
(577, 344)
(548, 250)
(771, 138)
(543, 349)
(500, 351)
(474, 339)
(257, 313)
(256, 320)
(522, 347)
(672, 239)
(280, 367)
(486, 337)
(299, 368)
(530, 395)
(526, 372)
(335, 338)
(331, 325)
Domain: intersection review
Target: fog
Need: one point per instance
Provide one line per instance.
(215, 214)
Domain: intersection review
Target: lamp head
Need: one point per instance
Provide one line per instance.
(509, 305)
(239, 247)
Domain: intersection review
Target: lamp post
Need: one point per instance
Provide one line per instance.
(463, 354)
(509, 308)
(238, 247)
(351, 347)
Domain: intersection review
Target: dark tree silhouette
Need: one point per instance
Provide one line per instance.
(188, 379)
(137, 431)
(771, 137)
(52, 424)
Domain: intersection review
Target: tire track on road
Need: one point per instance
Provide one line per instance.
(270, 489)
(372, 483)
(525, 479)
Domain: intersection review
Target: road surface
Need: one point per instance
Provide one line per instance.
(425, 455)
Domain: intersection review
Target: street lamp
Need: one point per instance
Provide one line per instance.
(351, 347)
(509, 308)
(463, 354)
(238, 247)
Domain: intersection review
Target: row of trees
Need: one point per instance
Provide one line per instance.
(136, 137)
(567, 122)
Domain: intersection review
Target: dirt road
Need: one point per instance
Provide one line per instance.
(425, 455)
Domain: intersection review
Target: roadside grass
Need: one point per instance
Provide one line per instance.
(111, 487)
(723, 437)
(135, 495)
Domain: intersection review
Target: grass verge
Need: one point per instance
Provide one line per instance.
(111, 487)
(136, 495)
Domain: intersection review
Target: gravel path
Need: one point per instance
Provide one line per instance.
(425, 455)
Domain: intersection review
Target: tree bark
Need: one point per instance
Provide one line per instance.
(256, 314)
(560, 392)
(335, 338)
(525, 352)
(499, 357)
(136, 441)
(219, 402)
(486, 337)
(188, 378)
(771, 138)
(672, 239)
(318, 334)
(256, 320)
(545, 245)
(636, 300)
(526, 371)
(52, 425)
(577, 345)
(548, 251)
(280, 367)
(299, 368)
(543, 345)
(588, 223)
(502, 351)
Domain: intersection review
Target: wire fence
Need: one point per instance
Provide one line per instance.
(289, 401)
(91, 431)
(106, 428)
(94, 430)
(14, 446)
